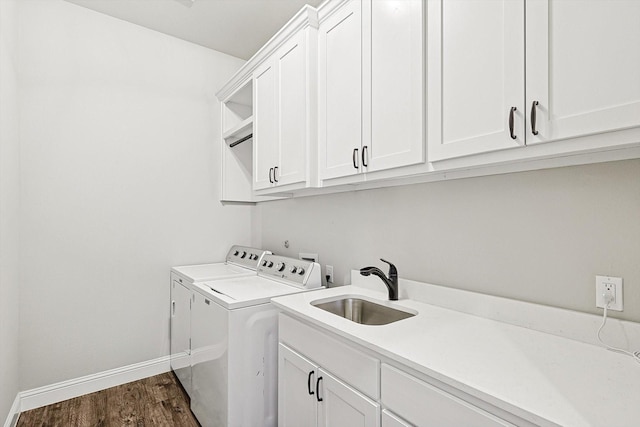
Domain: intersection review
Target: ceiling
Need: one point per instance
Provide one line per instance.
(235, 27)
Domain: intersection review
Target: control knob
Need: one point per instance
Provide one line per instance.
(264, 263)
(236, 253)
(280, 266)
(301, 271)
(270, 264)
(293, 269)
(244, 254)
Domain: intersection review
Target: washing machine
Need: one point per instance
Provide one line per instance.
(240, 261)
(235, 342)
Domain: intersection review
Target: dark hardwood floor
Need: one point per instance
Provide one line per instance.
(154, 401)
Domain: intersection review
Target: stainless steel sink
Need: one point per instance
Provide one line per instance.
(362, 311)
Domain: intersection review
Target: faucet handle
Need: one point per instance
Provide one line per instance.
(392, 268)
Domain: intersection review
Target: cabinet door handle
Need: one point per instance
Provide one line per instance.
(270, 172)
(311, 392)
(318, 398)
(533, 117)
(354, 157)
(513, 109)
(275, 169)
(365, 149)
(173, 308)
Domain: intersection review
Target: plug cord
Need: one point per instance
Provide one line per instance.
(635, 355)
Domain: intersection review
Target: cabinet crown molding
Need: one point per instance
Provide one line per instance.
(307, 17)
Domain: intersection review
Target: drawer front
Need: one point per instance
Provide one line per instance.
(425, 405)
(389, 419)
(350, 365)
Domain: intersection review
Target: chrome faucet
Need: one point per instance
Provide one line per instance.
(391, 282)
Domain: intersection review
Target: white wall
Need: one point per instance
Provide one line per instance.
(9, 206)
(120, 181)
(534, 236)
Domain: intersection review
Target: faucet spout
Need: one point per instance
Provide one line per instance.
(390, 282)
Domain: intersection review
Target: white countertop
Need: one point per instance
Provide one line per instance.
(544, 378)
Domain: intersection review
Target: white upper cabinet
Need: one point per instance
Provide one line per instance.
(340, 92)
(583, 67)
(397, 95)
(475, 76)
(370, 88)
(358, 92)
(285, 113)
(582, 73)
(293, 112)
(265, 125)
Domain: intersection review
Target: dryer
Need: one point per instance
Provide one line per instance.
(235, 342)
(240, 261)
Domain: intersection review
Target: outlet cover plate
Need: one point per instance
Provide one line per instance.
(329, 269)
(615, 285)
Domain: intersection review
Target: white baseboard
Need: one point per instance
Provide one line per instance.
(69, 389)
(14, 412)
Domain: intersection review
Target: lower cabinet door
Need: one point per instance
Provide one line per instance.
(342, 406)
(297, 378)
(389, 419)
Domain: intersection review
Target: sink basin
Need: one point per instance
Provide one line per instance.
(362, 311)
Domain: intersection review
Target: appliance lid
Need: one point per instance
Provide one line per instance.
(203, 272)
(245, 291)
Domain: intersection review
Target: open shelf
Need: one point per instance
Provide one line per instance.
(240, 130)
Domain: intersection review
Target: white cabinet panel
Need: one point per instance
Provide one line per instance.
(340, 92)
(180, 340)
(475, 76)
(265, 126)
(344, 361)
(583, 66)
(292, 89)
(396, 85)
(296, 390)
(389, 419)
(425, 405)
(210, 351)
(342, 406)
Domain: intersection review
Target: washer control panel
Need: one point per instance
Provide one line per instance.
(245, 256)
(292, 271)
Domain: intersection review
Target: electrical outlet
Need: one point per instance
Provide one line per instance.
(611, 287)
(329, 273)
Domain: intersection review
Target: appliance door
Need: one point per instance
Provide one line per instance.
(180, 333)
(209, 358)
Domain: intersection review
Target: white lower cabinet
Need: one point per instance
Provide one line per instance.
(326, 381)
(309, 396)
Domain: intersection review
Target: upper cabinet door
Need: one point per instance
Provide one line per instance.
(265, 126)
(583, 67)
(475, 76)
(397, 90)
(293, 108)
(340, 92)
